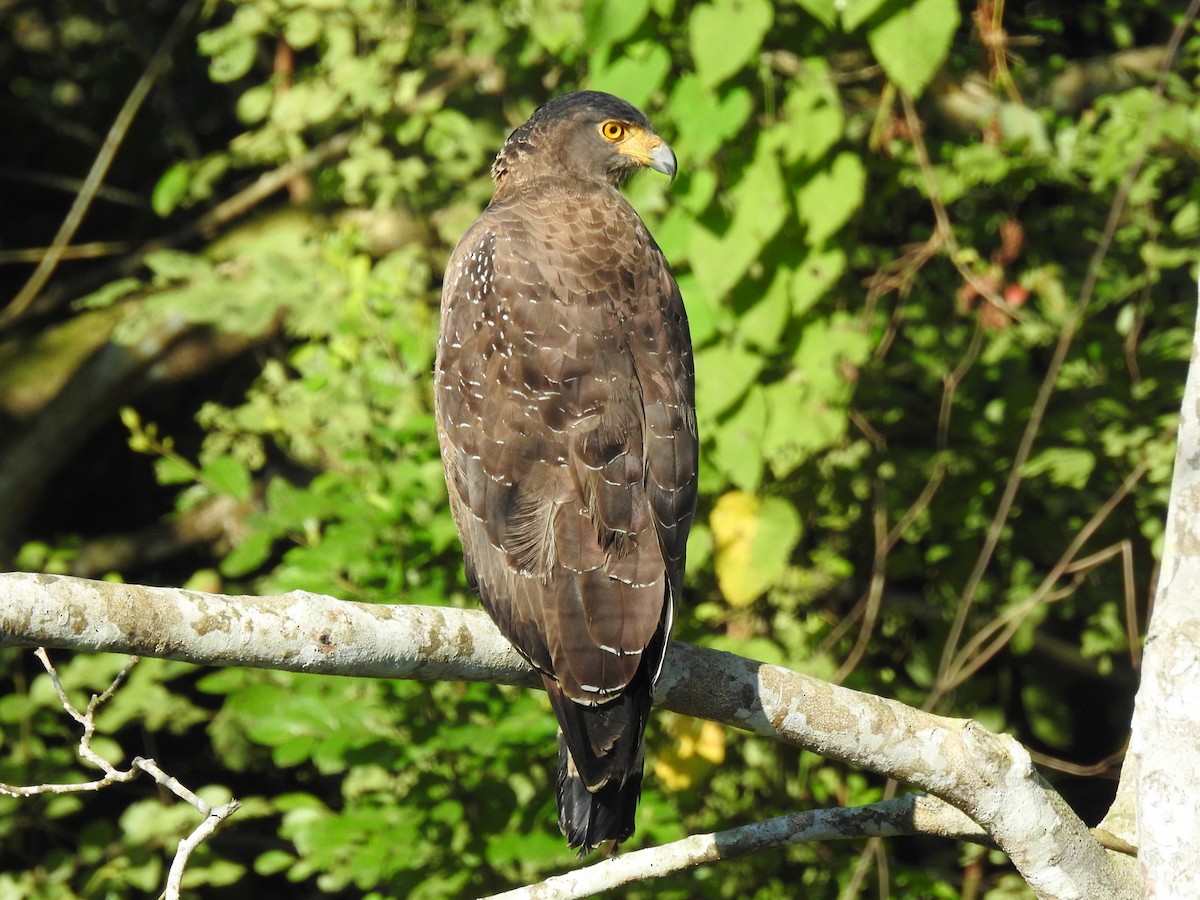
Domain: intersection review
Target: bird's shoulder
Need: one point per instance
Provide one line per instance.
(582, 237)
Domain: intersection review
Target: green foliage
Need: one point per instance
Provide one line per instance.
(911, 44)
(862, 398)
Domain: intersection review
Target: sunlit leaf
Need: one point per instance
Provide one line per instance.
(753, 539)
(725, 35)
(830, 197)
(695, 747)
(912, 43)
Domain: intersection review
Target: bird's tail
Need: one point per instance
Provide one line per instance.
(600, 760)
(591, 818)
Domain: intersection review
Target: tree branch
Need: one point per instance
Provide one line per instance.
(912, 814)
(989, 777)
(1152, 801)
(62, 424)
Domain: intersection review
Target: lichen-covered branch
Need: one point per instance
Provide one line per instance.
(912, 814)
(989, 777)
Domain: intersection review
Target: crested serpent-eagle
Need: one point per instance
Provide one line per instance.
(566, 416)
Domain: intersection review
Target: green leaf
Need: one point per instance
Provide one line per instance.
(699, 548)
(255, 104)
(723, 373)
(305, 104)
(1068, 466)
(635, 75)
(703, 316)
(109, 294)
(1025, 127)
(608, 23)
(808, 411)
(233, 60)
(764, 322)
(827, 348)
(303, 28)
(824, 11)
(725, 35)
(798, 427)
(814, 120)
(557, 26)
(215, 872)
(855, 12)
(739, 440)
(173, 470)
(706, 119)
(1186, 223)
(273, 861)
(175, 265)
(247, 555)
(815, 275)
(912, 44)
(227, 475)
(170, 189)
(719, 264)
(830, 197)
(761, 203)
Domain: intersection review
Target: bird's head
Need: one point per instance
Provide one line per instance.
(587, 135)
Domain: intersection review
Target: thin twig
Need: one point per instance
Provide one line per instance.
(70, 185)
(1110, 763)
(897, 275)
(206, 829)
(902, 525)
(213, 816)
(883, 546)
(951, 381)
(862, 868)
(262, 187)
(74, 251)
(206, 225)
(1133, 630)
(942, 217)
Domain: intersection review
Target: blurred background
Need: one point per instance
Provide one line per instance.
(940, 347)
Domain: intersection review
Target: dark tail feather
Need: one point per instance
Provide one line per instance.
(600, 759)
(587, 818)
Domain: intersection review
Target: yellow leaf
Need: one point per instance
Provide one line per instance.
(753, 539)
(734, 523)
(695, 749)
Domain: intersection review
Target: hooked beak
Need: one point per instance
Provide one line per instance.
(662, 159)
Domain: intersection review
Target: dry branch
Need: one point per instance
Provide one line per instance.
(213, 815)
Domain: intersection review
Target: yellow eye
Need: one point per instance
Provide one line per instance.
(612, 130)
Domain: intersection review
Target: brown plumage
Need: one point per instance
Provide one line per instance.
(566, 416)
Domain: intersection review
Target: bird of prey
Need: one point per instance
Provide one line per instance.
(565, 404)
